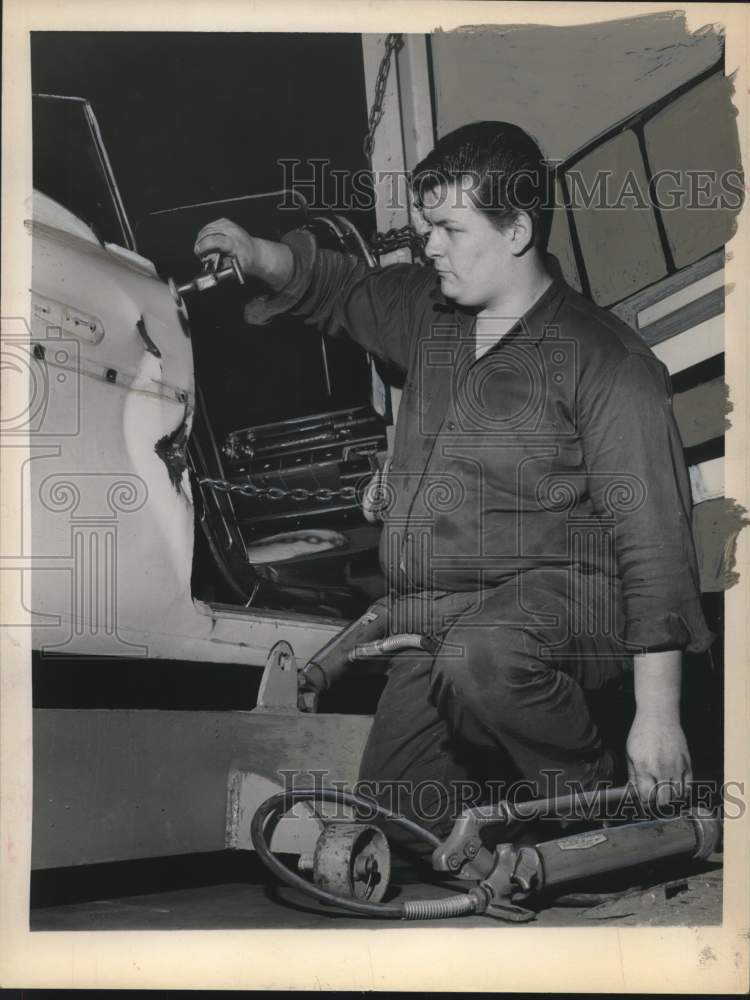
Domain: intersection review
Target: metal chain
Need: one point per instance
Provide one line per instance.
(405, 236)
(394, 239)
(393, 43)
(299, 494)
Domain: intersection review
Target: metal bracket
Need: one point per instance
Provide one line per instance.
(462, 853)
(501, 885)
(278, 686)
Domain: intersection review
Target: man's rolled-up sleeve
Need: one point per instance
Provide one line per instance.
(335, 292)
(637, 475)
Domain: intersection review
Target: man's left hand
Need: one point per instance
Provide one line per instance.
(658, 760)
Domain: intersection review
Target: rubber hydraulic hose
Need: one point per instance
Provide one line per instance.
(393, 644)
(451, 906)
(348, 646)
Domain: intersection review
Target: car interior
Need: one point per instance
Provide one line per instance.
(288, 430)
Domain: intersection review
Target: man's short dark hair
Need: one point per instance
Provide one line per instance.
(501, 169)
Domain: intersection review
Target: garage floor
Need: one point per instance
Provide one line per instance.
(677, 897)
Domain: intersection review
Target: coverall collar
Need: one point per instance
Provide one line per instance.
(532, 325)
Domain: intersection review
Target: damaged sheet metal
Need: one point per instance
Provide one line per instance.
(172, 449)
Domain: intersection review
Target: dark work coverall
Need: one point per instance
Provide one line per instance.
(537, 523)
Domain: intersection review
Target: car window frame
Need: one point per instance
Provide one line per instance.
(128, 239)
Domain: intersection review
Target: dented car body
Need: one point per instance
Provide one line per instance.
(113, 517)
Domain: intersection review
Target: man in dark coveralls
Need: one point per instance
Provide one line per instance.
(538, 520)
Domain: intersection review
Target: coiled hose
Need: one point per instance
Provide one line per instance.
(427, 909)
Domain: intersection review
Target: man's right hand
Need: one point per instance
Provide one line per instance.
(257, 258)
(230, 240)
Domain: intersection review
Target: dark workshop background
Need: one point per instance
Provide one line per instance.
(192, 117)
(196, 117)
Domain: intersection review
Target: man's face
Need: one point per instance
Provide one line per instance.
(470, 254)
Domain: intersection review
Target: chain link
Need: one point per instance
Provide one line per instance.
(299, 494)
(393, 43)
(405, 236)
(395, 239)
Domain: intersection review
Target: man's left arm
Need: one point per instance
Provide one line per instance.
(637, 474)
(657, 751)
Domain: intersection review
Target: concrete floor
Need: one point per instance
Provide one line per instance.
(690, 897)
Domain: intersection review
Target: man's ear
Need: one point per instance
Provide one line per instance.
(521, 234)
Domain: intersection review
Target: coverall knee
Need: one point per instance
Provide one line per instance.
(501, 685)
